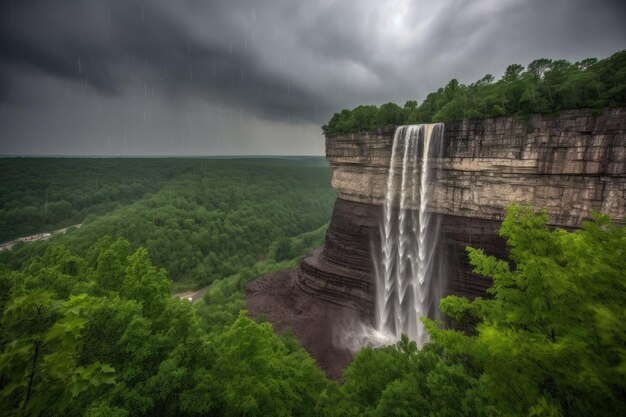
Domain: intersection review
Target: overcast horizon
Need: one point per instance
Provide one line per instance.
(208, 78)
(164, 156)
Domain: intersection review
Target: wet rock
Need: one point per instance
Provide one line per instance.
(571, 164)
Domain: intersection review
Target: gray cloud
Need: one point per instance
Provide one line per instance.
(108, 45)
(279, 62)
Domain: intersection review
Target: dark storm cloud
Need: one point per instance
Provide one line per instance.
(111, 44)
(279, 61)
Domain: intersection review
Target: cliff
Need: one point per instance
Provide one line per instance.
(571, 164)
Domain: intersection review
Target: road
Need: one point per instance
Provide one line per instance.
(192, 296)
(33, 238)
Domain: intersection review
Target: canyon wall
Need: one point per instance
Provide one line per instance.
(571, 164)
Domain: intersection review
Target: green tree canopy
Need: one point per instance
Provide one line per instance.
(546, 86)
(549, 341)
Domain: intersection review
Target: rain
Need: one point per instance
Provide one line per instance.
(174, 77)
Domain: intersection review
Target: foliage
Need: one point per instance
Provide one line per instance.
(38, 365)
(550, 341)
(546, 86)
(89, 326)
(42, 194)
(213, 219)
(159, 359)
(128, 348)
(225, 298)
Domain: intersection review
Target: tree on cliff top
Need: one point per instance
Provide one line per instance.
(546, 86)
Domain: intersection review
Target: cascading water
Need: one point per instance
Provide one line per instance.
(406, 272)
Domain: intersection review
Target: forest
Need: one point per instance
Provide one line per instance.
(168, 250)
(544, 86)
(548, 341)
(200, 219)
(89, 326)
(43, 194)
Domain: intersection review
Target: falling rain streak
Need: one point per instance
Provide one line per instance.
(407, 277)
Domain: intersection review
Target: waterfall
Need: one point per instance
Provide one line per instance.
(407, 275)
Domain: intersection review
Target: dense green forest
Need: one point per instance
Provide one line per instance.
(208, 220)
(544, 86)
(550, 342)
(42, 194)
(93, 310)
(98, 335)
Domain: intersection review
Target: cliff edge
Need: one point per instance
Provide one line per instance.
(571, 164)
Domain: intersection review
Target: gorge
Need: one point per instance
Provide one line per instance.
(571, 164)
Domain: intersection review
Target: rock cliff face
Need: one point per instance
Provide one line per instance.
(336, 272)
(570, 164)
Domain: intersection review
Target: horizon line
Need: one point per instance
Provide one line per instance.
(167, 156)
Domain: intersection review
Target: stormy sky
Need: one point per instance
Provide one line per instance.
(246, 77)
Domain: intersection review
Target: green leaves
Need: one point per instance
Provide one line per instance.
(259, 376)
(134, 350)
(546, 332)
(546, 86)
(39, 364)
(211, 219)
(550, 341)
(457, 308)
(100, 336)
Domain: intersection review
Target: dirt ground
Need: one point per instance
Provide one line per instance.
(319, 325)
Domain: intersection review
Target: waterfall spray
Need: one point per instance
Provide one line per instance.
(405, 267)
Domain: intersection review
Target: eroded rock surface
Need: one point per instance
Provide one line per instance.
(571, 164)
(317, 323)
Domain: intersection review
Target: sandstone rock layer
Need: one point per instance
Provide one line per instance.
(571, 164)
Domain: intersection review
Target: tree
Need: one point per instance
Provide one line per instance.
(363, 117)
(546, 86)
(549, 341)
(544, 344)
(259, 376)
(538, 67)
(410, 104)
(39, 364)
(144, 283)
(110, 265)
(389, 114)
(486, 80)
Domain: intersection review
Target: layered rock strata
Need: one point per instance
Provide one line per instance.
(571, 164)
(336, 272)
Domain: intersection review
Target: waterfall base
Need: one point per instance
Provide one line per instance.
(328, 302)
(319, 324)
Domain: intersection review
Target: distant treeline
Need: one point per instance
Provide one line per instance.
(545, 86)
(201, 219)
(42, 194)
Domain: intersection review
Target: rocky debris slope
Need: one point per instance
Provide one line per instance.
(316, 323)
